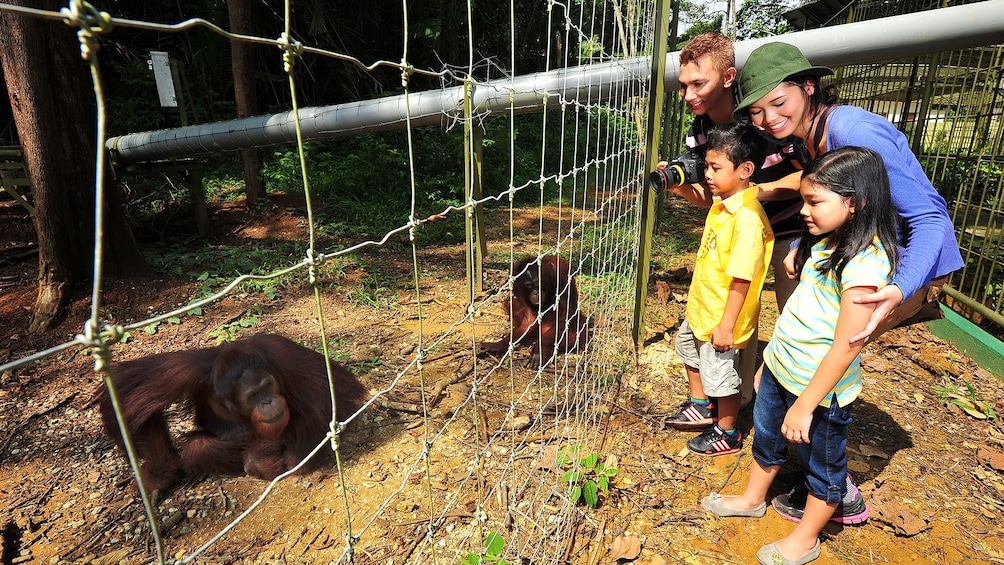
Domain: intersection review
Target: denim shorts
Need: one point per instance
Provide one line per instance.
(718, 368)
(824, 457)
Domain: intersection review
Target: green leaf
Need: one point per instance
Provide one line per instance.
(970, 407)
(571, 476)
(591, 460)
(575, 494)
(603, 482)
(151, 329)
(494, 544)
(591, 494)
(174, 320)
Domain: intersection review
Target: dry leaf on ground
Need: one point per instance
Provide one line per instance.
(625, 547)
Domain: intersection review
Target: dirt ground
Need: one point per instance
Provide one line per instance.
(932, 474)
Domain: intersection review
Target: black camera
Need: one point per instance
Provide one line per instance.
(687, 168)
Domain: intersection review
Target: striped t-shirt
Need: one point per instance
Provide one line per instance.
(804, 332)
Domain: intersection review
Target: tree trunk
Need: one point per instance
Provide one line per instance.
(245, 95)
(54, 110)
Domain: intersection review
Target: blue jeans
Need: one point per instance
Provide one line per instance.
(824, 457)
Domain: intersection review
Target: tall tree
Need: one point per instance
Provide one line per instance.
(54, 111)
(245, 94)
(762, 18)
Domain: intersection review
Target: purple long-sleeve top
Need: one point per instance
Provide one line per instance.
(931, 250)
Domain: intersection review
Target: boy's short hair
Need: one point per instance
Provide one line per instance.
(739, 141)
(713, 45)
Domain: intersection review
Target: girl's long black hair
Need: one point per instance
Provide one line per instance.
(856, 173)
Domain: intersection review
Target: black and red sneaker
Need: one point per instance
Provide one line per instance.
(716, 442)
(692, 417)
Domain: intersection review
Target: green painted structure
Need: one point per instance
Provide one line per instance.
(967, 337)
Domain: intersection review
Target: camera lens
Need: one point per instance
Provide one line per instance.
(657, 180)
(663, 179)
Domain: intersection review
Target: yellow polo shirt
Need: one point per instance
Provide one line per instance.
(736, 244)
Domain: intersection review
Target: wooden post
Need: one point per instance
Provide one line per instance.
(193, 180)
(477, 247)
(655, 105)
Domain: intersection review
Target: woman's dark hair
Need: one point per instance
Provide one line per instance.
(856, 173)
(740, 141)
(821, 97)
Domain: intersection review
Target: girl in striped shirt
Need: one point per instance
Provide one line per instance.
(811, 372)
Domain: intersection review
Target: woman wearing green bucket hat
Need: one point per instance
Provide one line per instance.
(780, 93)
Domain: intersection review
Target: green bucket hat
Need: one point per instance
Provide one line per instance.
(768, 66)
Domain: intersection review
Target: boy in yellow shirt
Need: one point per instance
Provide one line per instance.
(724, 299)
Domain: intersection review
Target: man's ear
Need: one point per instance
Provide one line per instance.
(729, 77)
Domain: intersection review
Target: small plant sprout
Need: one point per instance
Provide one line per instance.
(586, 476)
(494, 544)
(966, 399)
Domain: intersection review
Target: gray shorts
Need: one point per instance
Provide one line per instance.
(718, 368)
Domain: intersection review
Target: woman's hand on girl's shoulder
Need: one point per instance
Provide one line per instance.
(885, 300)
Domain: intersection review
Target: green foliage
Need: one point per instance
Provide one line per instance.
(494, 544)
(231, 330)
(543, 142)
(755, 18)
(589, 48)
(213, 267)
(674, 239)
(976, 178)
(964, 396)
(363, 183)
(586, 476)
(223, 181)
(152, 328)
(377, 289)
(761, 18)
(133, 100)
(702, 25)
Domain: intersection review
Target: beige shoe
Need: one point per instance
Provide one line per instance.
(713, 503)
(769, 555)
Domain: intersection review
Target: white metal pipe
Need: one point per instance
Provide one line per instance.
(945, 29)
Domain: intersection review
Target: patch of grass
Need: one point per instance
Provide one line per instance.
(214, 266)
(678, 236)
(377, 289)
